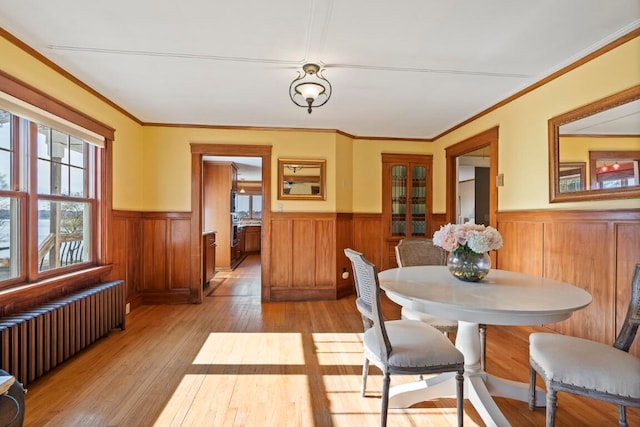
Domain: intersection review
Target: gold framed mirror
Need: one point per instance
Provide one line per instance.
(301, 179)
(594, 151)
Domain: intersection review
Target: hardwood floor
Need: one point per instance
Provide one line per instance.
(233, 361)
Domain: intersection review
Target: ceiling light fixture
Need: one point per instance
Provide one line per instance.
(310, 87)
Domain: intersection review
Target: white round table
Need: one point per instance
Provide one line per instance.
(501, 298)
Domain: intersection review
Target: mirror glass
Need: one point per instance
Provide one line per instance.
(301, 179)
(595, 150)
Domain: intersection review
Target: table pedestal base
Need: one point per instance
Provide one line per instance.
(479, 387)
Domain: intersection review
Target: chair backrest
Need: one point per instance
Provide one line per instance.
(368, 297)
(419, 251)
(630, 326)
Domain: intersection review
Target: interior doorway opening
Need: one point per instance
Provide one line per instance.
(232, 215)
(201, 153)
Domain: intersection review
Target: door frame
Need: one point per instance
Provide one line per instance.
(488, 138)
(198, 151)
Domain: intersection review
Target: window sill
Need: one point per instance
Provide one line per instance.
(23, 295)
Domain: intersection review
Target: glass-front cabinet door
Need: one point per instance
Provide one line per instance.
(406, 203)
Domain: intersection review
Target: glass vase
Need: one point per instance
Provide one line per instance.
(469, 266)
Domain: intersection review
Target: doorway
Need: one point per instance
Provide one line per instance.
(473, 187)
(199, 154)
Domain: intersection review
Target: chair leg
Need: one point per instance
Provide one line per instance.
(552, 402)
(483, 347)
(365, 372)
(384, 406)
(532, 388)
(460, 397)
(622, 416)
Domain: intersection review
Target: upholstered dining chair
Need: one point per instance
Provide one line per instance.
(588, 368)
(412, 251)
(406, 347)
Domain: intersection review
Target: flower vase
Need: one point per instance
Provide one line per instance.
(469, 266)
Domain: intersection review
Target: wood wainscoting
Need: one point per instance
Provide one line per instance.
(152, 253)
(596, 250)
(306, 256)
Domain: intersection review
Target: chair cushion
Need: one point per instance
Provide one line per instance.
(415, 344)
(586, 364)
(440, 323)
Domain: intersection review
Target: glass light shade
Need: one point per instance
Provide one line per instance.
(310, 90)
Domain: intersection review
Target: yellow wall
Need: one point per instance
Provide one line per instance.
(127, 151)
(523, 152)
(344, 174)
(576, 149)
(167, 163)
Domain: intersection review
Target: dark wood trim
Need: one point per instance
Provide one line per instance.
(170, 296)
(165, 215)
(392, 138)
(559, 215)
(251, 128)
(303, 294)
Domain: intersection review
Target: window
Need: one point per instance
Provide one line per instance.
(249, 206)
(50, 187)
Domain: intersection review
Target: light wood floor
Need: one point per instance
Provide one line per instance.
(233, 361)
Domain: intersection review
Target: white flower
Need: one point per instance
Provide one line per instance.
(475, 237)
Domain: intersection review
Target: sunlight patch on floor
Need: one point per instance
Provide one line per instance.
(251, 349)
(244, 400)
(338, 348)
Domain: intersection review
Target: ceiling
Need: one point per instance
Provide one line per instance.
(406, 69)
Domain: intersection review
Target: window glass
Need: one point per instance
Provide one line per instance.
(5, 130)
(257, 207)
(5, 150)
(44, 135)
(62, 171)
(63, 232)
(5, 170)
(9, 242)
(243, 203)
(76, 151)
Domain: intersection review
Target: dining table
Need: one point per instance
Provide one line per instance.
(502, 298)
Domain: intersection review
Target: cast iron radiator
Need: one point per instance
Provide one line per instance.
(35, 341)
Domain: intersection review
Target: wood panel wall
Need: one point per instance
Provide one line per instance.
(306, 255)
(126, 236)
(595, 250)
(152, 253)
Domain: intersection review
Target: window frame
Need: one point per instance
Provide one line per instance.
(99, 176)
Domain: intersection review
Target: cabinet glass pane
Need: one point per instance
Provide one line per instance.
(398, 200)
(418, 200)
